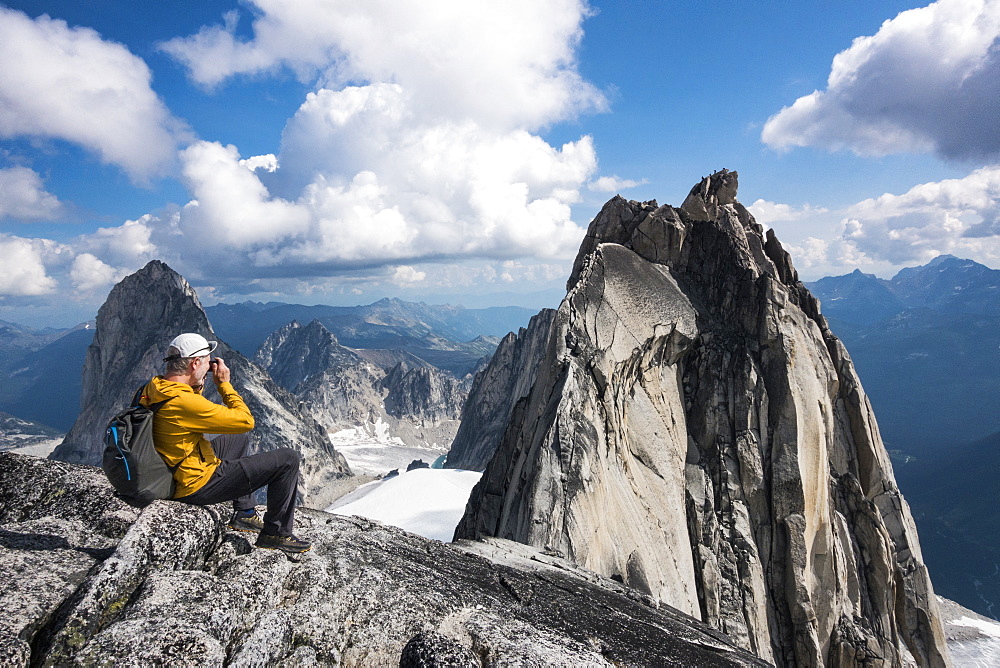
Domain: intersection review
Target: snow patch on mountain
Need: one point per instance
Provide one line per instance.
(427, 502)
(372, 449)
(973, 639)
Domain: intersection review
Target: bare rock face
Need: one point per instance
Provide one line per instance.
(507, 379)
(293, 354)
(344, 388)
(99, 583)
(697, 432)
(423, 393)
(134, 326)
(333, 383)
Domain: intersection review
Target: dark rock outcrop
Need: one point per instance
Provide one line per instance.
(134, 326)
(697, 432)
(506, 380)
(100, 583)
(433, 650)
(417, 464)
(423, 393)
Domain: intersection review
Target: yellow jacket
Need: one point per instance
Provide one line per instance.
(180, 425)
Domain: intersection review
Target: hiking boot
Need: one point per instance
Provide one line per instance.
(241, 522)
(289, 544)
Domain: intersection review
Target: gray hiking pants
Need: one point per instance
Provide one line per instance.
(239, 476)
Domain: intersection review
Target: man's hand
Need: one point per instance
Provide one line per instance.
(220, 372)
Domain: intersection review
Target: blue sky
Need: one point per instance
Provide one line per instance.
(326, 151)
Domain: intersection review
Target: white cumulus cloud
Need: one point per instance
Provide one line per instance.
(232, 210)
(418, 145)
(417, 152)
(365, 181)
(23, 197)
(954, 216)
(929, 80)
(24, 273)
(406, 275)
(611, 184)
(130, 244)
(64, 82)
(267, 162)
(767, 213)
(885, 233)
(505, 64)
(815, 257)
(88, 273)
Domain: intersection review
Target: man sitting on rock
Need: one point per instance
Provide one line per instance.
(207, 472)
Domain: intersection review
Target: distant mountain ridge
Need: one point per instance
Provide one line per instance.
(41, 367)
(856, 298)
(947, 283)
(41, 372)
(927, 344)
(387, 323)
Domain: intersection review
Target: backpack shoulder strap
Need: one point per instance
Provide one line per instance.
(153, 407)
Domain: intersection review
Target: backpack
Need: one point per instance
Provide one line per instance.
(133, 466)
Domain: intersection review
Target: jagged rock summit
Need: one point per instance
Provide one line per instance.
(344, 388)
(99, 583)
(697, 432)
(141, 315)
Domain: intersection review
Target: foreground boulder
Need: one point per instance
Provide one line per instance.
(697, 432)
(99, 583)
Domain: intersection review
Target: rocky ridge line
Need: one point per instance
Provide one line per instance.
(343, 388)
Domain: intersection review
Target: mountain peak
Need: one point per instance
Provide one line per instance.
(944, 259)
(950, 284)
(697, 432)
(939, 264)
(141, 314)
(716, 190)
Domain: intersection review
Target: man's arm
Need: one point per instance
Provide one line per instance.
(199, 414)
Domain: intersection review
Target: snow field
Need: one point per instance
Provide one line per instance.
(428, 502)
